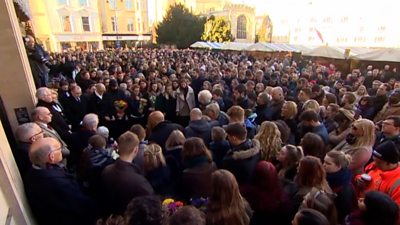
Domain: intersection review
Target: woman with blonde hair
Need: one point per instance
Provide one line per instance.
(360, 92)
(338, 175)
(358, 144)
(156, 170)
(226, 206)
(311, 104)
(289, 115)
(270, 140)
(288, 161)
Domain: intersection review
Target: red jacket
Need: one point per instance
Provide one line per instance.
(385, 181)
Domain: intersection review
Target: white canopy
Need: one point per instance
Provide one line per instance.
(385, 55)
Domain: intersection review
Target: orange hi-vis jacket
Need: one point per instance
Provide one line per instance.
(385, 181)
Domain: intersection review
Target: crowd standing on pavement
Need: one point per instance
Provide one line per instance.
(154, 136)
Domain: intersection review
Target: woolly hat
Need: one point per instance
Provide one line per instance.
(387, 151)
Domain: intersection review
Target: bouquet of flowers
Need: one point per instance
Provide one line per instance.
(171, 205)
(120, 105)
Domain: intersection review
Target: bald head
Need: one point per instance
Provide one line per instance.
(195, 114)
(41, 114)
(277, 94)
(28, 132)
(155, 118)
(100, 88)
(45, 151)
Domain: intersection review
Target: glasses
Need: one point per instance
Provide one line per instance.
(35, 135)
(387, 123)
(56, 150)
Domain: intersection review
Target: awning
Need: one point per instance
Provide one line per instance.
(273, 47)
(208, 45)
(383, 55)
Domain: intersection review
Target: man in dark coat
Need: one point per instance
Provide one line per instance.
(25, 134)
(275, 108)
(261, 108)
(244, 155)
(160, 129)
(58, 122)
(97, 102)
(37, 58)
(122, 180)
(80, 139)
(54, 195)
(310, 123)
(76, 107)
(199, 127)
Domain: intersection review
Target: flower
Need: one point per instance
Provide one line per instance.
(168, 201)
(171, 205)
(120, 104)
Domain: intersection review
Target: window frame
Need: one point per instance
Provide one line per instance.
(89, 24)
(63, 17)
(241, 27)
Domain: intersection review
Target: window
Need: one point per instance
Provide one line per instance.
(297, 30)
(66, 23)
(83, 2)
(130, 24)
(138, 5)
(86, 24)
(341, 40)
(382, 28)
(241, 27)
(327, 20)
(379, 39)
(344, 19)
(114, 24)
(128, 4)
(112, 4)
(359, 39)
(63, 2)
(313, 20)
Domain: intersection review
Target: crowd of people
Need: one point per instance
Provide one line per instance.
(226, 138)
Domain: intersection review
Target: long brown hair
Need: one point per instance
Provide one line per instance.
(226, 206)
(312, 174)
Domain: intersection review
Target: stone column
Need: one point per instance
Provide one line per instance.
(17, 88)
(17, 91)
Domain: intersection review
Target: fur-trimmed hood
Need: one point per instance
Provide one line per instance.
(246, 150)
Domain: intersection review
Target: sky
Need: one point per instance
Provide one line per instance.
(283, 8)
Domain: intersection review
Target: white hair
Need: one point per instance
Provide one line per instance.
(41, 92)
(25, 131)
(103, 131)
(90, 121)
(204, 97)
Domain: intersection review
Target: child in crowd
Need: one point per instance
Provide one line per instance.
(219, 146)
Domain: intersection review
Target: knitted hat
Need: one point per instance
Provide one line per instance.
(387, 151)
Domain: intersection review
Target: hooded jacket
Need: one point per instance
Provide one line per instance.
(241, 160)
(201, 129)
